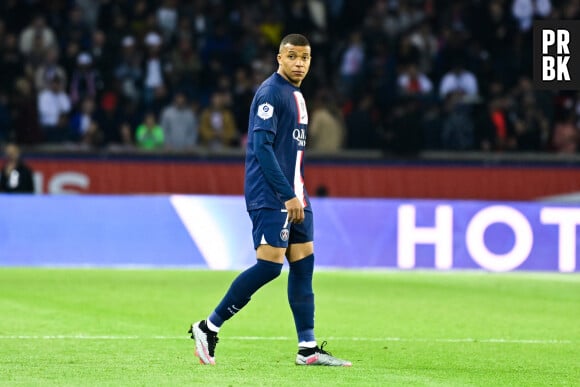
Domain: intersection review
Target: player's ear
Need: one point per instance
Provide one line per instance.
(279, 58)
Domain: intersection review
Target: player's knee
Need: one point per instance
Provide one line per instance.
(300, 251)
(270, 269)
(270, 253)
(303, 267)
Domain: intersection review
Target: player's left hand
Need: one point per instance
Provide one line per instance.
(295, 210)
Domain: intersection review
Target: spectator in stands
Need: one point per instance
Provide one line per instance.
(85, 81)
(93, 137)
(70, 55)
(458, 131)
(11, 67)
(494, 128)
(362, 125)
(326, 127)
(5, 118)
(407, 52)
(49, 69)
(76, 29)
(179, 123)
(403, 132)
(432, 121)
(109, 116)
(139, 14)
(494, 29)
(426, 42)
(186, 65)
(128, 115)
(525, 10)
(104, 55)
(298, 17)
(25, 121)
(84, 125)
(566, 135)
(184, 27)
(114, 21)
(19, 12)
(16, 176)
(242, 95)
(127, 140)
(35, 56)
(530, 126)
(128, 72)
(401, 17)
(167, 17)
(217, 125)
(411, 82)
(90, 11)
(219, 46)
(149, 134)
(37, 36)
(352, 65)
(117, 126)
(459, 81)
(155, 71)
(543, 99)
(54, 105)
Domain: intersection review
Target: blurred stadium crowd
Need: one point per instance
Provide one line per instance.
(397, 75)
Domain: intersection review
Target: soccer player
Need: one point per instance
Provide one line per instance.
(278, 206)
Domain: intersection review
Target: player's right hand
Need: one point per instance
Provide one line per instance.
(295, 210)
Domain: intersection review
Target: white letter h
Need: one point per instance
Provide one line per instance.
(440, 235)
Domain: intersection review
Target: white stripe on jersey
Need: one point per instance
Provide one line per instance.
(301, 107)
(298, 182)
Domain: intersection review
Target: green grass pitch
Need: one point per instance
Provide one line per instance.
(82, 327)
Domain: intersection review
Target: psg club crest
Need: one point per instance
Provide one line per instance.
(284, 234)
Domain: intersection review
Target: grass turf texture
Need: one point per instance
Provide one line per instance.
(128, 327)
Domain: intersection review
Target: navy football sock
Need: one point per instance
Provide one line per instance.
(241, 290)
(301, 297)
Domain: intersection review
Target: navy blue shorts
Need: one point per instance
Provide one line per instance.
(271, 227)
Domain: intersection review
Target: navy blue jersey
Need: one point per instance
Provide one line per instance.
(277, 107)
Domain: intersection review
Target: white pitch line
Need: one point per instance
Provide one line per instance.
(286, 338)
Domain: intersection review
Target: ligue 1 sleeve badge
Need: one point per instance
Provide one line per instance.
(265, 111)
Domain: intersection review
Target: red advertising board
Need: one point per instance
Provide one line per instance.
(64, 175)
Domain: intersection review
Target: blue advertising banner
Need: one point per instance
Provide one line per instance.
(215, 232)
(93, 231)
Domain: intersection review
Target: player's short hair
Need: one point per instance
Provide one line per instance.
(295, 40)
